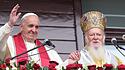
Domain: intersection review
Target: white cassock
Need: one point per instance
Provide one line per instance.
(86, 59)
(5, 39)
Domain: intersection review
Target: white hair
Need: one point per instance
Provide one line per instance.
(97, 54)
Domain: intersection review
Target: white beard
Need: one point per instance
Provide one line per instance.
(97, 54)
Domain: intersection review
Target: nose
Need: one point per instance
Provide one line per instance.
(95, 37)
(34, 29)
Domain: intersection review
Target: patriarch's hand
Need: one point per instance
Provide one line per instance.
(74, 57)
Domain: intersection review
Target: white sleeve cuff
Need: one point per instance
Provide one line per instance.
(7, 28)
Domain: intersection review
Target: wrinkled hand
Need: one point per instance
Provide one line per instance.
(14, 15)
(74, 57)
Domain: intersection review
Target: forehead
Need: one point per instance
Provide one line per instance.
(95, 30)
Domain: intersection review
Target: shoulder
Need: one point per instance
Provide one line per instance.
(84, 51)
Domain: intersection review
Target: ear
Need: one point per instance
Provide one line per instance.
(21, 27)
(104, 38)
(86, 38)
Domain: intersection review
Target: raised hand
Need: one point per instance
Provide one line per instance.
(14, 15)
(74, 57)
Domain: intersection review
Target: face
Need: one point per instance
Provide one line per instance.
(95, 37)
(29, 28)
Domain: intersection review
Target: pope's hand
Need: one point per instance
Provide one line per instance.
(14, 15)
